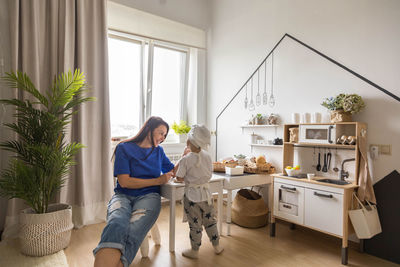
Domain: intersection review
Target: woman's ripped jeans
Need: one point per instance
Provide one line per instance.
(129, 218)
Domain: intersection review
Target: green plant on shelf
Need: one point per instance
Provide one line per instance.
(352, 103)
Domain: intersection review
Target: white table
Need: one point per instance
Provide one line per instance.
(175, 191)
(237, 182)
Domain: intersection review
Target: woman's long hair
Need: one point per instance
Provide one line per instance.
(147, 130)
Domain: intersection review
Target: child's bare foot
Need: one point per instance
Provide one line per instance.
(190, 253)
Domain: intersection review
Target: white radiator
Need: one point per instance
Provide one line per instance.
(174, 157)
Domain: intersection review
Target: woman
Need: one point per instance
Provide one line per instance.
(141, 166)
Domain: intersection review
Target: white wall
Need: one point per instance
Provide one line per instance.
(361, 34)
(131, 20)
(191, 12)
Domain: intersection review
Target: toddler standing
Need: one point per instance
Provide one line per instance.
(195, 169)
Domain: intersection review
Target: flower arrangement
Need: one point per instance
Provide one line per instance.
(181, 128)
(352, 103)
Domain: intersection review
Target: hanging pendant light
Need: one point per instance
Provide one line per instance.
(246, 101)
(251, 105)
(265, 96)
(258, 96)
(272, 98)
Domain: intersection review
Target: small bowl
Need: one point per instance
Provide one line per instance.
(310, 176)
(291, 172)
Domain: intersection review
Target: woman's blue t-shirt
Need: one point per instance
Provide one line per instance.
(130, 159)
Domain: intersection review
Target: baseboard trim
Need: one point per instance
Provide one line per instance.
(165, 201)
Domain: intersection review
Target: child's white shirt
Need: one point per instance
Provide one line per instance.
(196, 169)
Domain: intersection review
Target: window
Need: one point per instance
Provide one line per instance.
(147, 78)
(168, 79)
(124, 84)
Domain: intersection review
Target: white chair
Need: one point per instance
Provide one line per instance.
(155, 235)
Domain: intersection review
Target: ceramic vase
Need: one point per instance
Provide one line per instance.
(182, 138)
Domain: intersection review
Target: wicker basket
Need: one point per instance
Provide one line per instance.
(47, 233)
(220, 167)
(259, 170)
(249, 209)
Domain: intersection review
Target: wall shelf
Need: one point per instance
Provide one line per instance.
(260, 126)
(265, 145)
(339, 146)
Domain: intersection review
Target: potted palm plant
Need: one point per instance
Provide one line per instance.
(42, 159)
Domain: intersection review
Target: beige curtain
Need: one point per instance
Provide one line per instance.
(49, 37)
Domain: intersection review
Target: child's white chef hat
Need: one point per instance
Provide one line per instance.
(199, 136)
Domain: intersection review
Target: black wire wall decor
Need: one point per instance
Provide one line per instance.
(265, 62)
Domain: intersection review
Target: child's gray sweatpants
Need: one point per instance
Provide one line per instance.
(201, 214)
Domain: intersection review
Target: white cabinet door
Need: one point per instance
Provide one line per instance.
(289, 202)
(324, 211)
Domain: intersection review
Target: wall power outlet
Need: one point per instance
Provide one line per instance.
(381, 149)
(374, 150)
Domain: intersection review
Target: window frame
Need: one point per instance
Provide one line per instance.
(146, 77)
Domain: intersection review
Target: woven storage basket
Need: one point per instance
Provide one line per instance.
(249, 209)
(46, 233)
(259, 171)
(220, 167)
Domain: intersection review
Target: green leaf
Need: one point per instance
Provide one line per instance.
(181, 128)
(42, 159)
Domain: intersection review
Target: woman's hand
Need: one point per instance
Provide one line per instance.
(179, 179)
(165, 177)
(174, 170)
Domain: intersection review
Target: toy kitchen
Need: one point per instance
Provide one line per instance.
(318, 195)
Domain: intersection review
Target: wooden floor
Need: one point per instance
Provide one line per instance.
(245, 247)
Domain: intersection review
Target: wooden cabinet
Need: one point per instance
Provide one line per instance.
(289, 202)
(316, 205)
(324, 211)
(342, 129)
(310, 203)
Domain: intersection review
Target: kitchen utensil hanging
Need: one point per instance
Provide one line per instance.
(251, 105)
(258, 96)
(272, 98)
(328, 158)
(314, 163)
(325, 166)
(265, 96)
(246, 101)
(336, 169)
(319, 161)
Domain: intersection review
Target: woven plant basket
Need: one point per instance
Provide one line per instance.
(46, 233)
(249, 209)
(340, 116)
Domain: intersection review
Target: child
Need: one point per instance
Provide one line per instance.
(195, 169)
